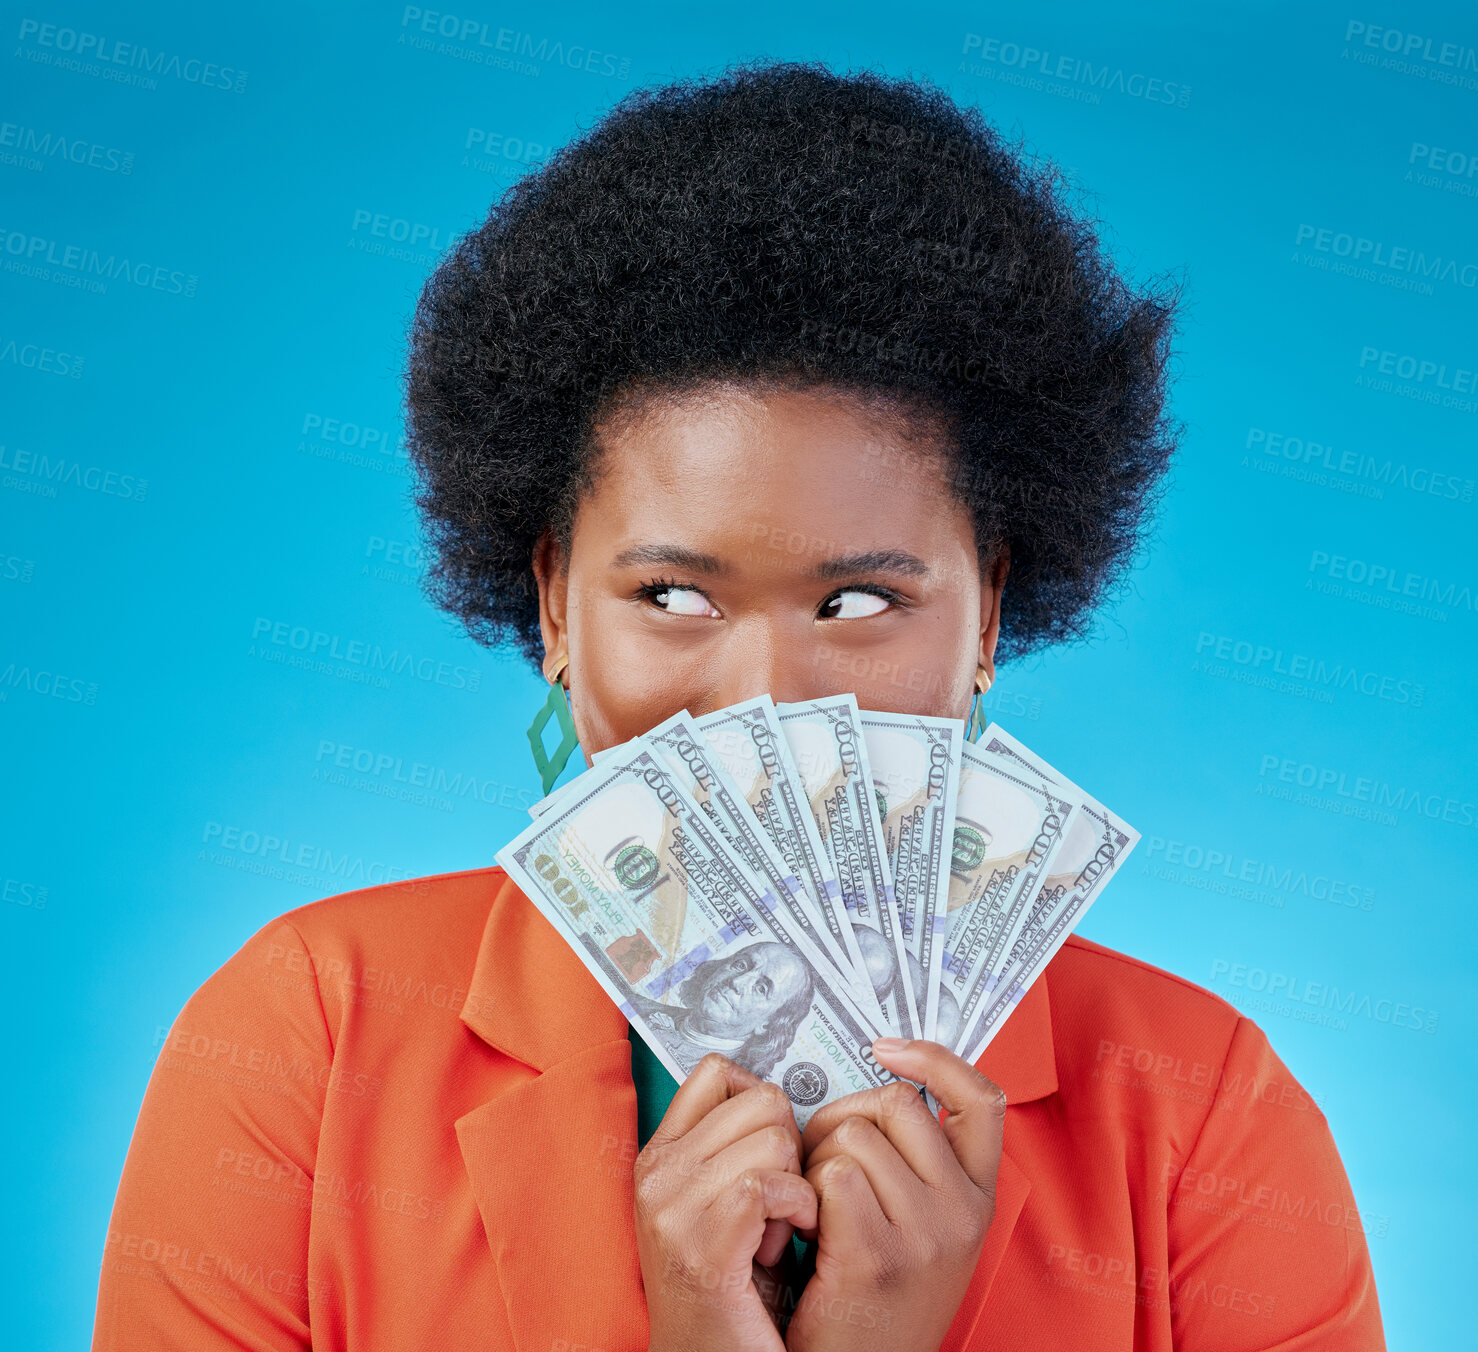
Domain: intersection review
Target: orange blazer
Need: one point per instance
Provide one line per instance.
(403, 1118)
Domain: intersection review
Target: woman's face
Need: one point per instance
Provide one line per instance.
(743, 541)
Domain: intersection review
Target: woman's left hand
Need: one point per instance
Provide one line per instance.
(905, 1204)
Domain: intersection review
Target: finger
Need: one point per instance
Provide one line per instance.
(976, 1105)
(771, 1147)
(778, 1285)
(849, 1219)
(772, 1245)
(898, 1189)
(739, 1218)
(753, 1110)
(769, 1150)
(714, 1079)
(899, 1112)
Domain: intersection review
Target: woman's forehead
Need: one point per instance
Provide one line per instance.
(794, 470)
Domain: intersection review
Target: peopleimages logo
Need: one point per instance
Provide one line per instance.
(69, 47)
(1340, 675)
(1275, 771)
(85, 268)
(1387, 577)
(269, 851)
(498, 145)
(34, 357)
(46, 683)
(396, 773)
(1357, 469)
(1226, 872)
(477, 40)
(352, 443)
(1247, 1199)
(1422, 370)
(1398, 258)
(1456, 163)
(14, 892)
(26, 143)
(315, 649)
(1072, 70)
(1415, 47)
(1297, 992)
(398, 230)
(44, 472)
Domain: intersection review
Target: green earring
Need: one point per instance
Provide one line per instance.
(556, 706)
(977, 722)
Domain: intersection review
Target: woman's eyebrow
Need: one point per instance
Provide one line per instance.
(871, 561)
(668, 556)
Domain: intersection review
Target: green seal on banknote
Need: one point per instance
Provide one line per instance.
(967, 849)
(636, 867)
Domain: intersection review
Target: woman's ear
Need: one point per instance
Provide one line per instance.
(551, 573)
(991, 591)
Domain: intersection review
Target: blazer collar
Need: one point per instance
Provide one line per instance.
(530, 996)
(532, 999)
(1021, 1058)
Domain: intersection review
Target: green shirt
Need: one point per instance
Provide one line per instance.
(654, 1087)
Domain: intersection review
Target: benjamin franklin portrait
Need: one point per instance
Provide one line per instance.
(747, 1005)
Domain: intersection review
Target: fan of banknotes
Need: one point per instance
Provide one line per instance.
(783, 883)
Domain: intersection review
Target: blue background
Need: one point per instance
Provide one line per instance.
(262, 412)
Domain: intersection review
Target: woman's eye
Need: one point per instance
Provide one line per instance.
(682, 601)
(853, 605)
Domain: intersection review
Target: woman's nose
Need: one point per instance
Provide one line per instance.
(783, 665)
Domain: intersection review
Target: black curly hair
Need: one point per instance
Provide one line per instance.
(784, 222)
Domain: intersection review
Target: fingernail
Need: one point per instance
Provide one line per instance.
(890, 1044)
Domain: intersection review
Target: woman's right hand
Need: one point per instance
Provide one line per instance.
(718, 1190)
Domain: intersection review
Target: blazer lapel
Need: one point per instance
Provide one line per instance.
(1012, 1187)
(1023, 1061)
(549, 1156)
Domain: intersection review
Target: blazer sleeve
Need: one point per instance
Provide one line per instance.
(207, 1248)
(1268, 1249)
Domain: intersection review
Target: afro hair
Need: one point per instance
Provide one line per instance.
(786, 222)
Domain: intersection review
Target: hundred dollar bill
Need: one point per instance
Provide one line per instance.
(636, 877)
(1093, 847)
(685, 751)
(830, 754)
(691, 757)
(915, 763)
(748, 742)
(692, 762)
(1008, 823)
(539, 808)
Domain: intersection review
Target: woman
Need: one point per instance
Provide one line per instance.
(766, 384)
